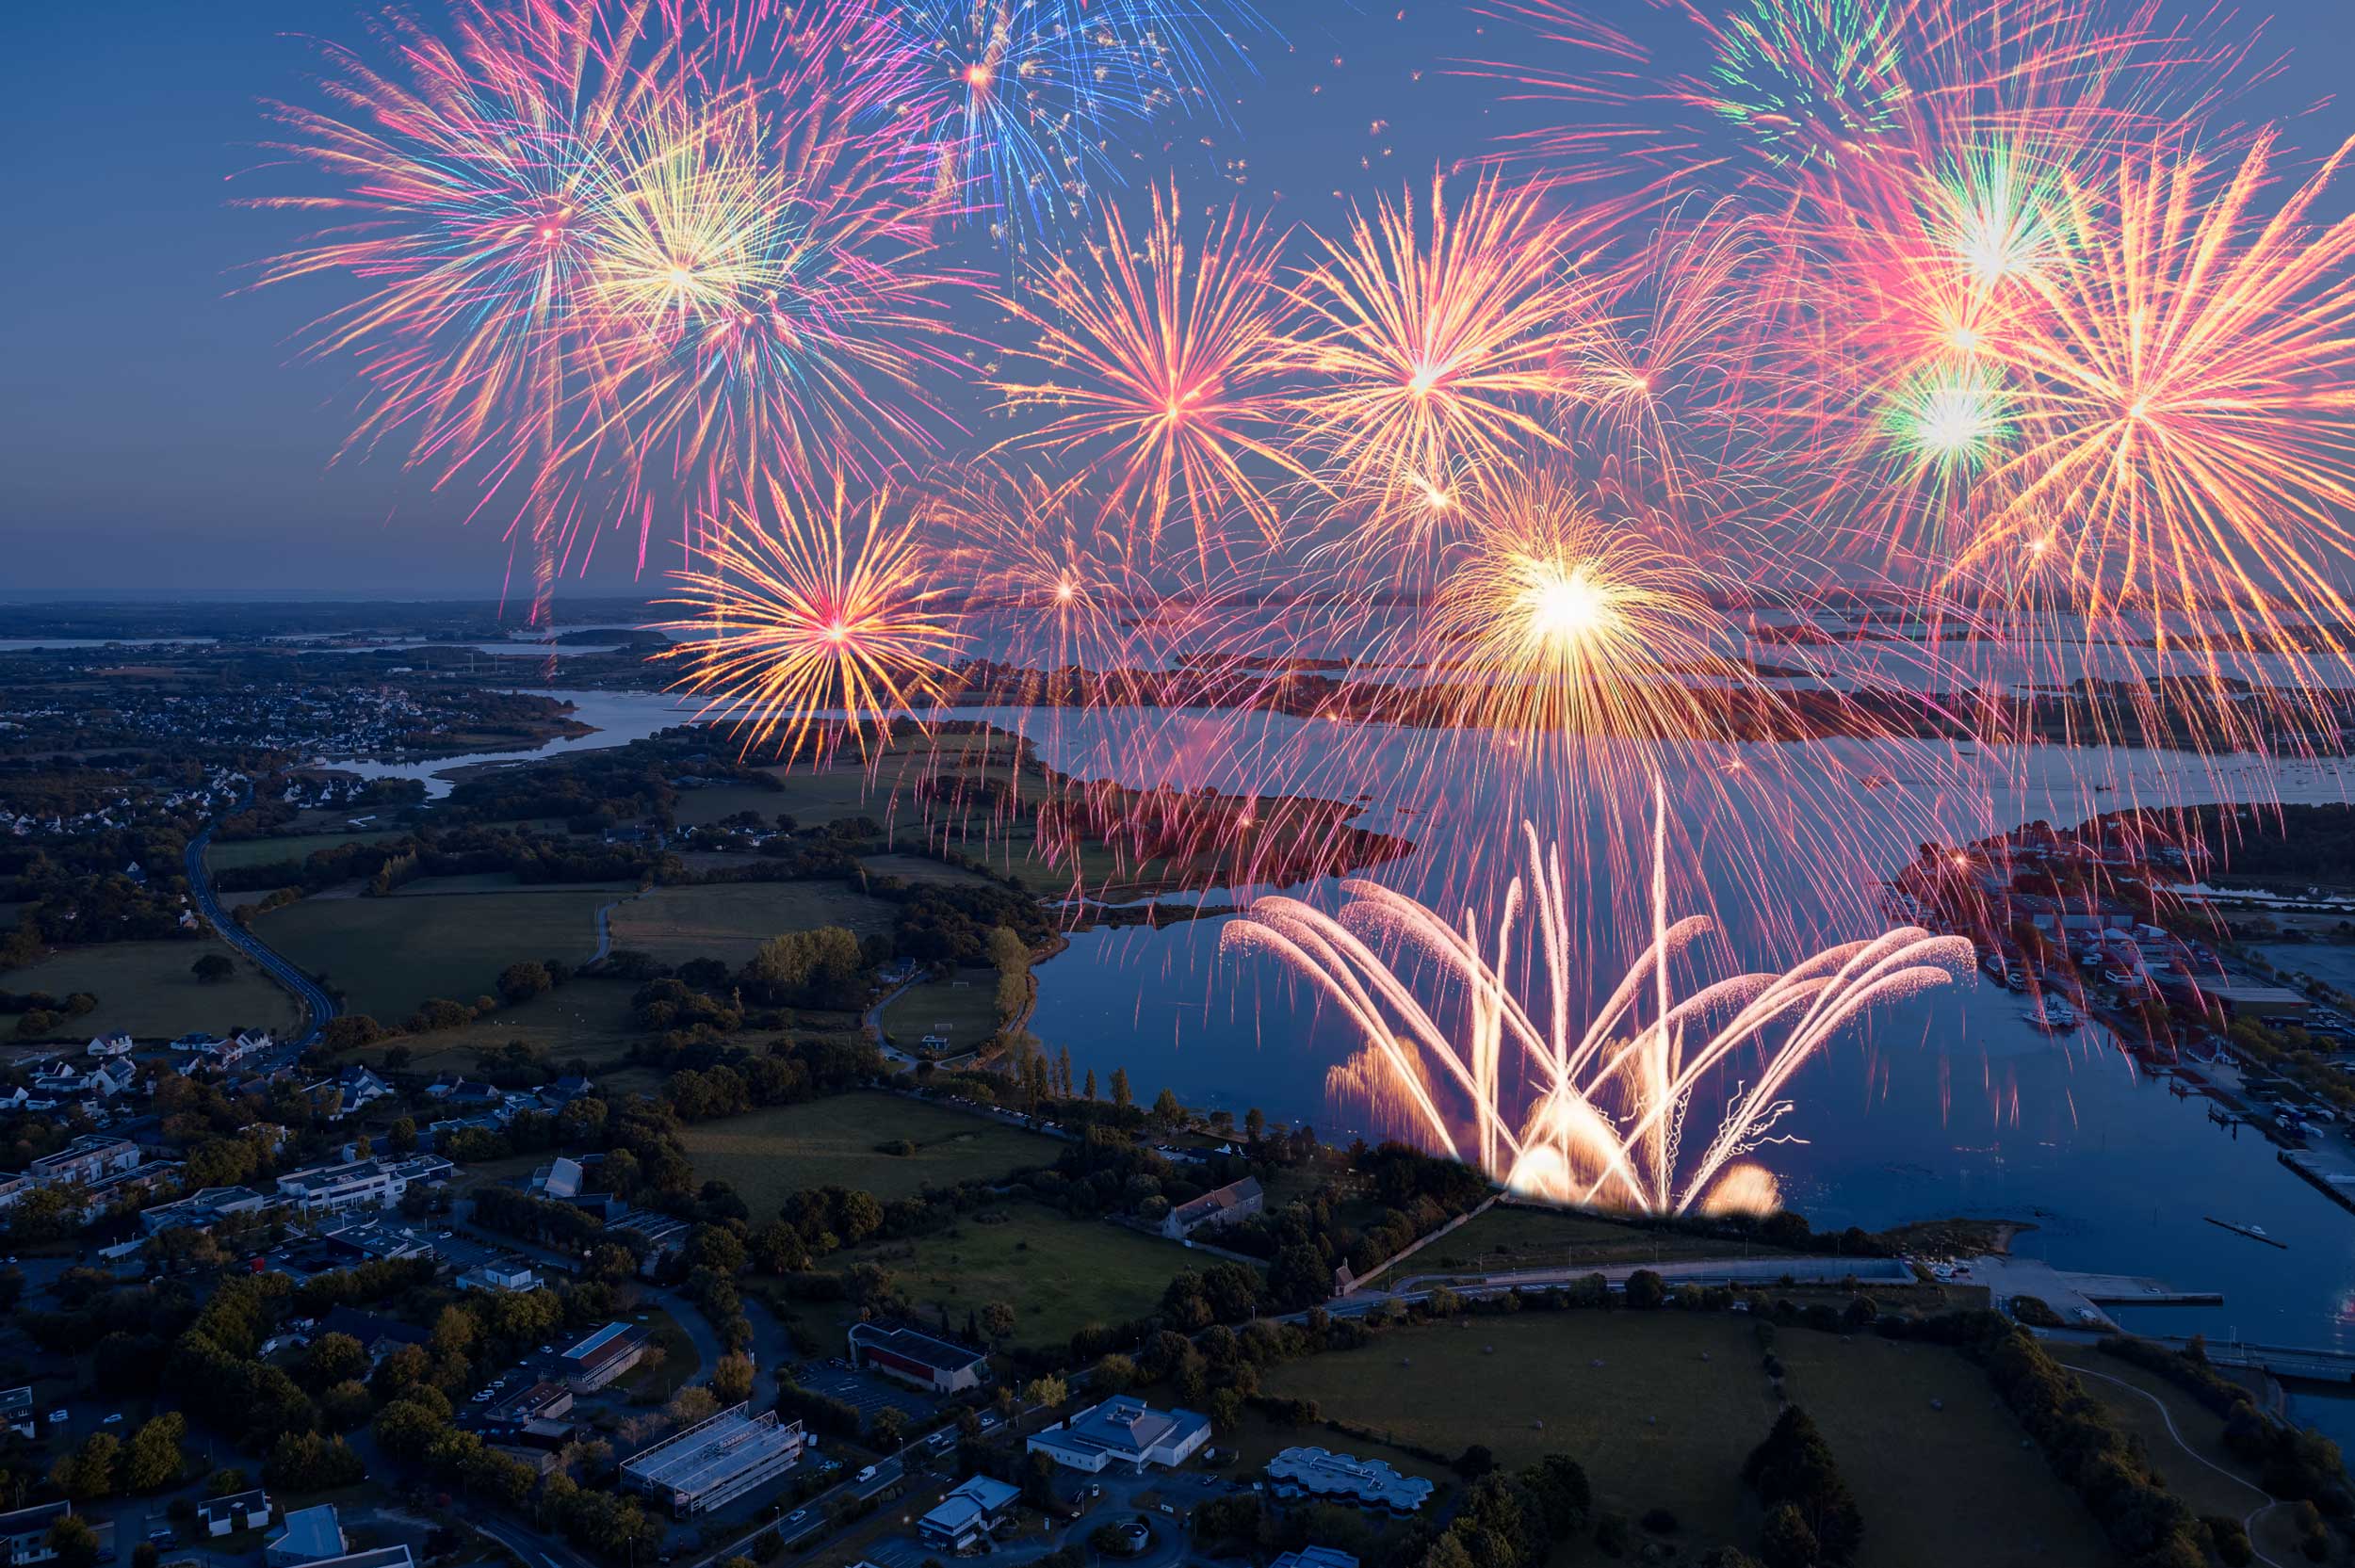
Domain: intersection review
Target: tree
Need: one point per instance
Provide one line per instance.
(213, 968)
(1793, 1467)
(1787, 1542)
(1645, 1291)
(1558, 1486)
(998, 1322)
(887, 1429)
(1048, 1391)
(521, 983)
(88, 1473)
(154, 1459)
(1122, 1098)
(74, 1543)
(732, 1380)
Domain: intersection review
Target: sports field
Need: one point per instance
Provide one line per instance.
(145, 990)
(772, 1154)
(961, 1010)
(1059, 1275)
(387, 955)
(727, 921)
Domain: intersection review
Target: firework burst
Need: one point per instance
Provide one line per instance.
(801, 622)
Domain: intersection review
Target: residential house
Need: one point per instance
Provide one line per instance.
(16, 1411)
(505, 1276)
(1229, 1205)
(116, 1044)
(378, 1334)
(26, 1532)
(353, 1088)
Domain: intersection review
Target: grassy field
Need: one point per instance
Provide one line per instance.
(145, 990)
(1058, 1274)
(1955, 1486)
(1658, 1425)
(499, 882)
(387, 955)
(966, 1015)
(771, 1155)
(586, 1019)
(268, 851)
(2216, 1480)
(1516, 1236)
(730, 920)
(921, 868)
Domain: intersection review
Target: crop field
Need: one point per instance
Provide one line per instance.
(728, 920)
(772, 1154)
(145, 990)
(268, 851)
(387, 955)
(1059, 1275)
(1662, 1409)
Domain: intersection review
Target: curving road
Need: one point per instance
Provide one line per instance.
(317, 1006)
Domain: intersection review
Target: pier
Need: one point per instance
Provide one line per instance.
(2326, 1170)
(2079, 1296)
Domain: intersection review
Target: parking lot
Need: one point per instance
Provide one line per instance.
(866, 1391)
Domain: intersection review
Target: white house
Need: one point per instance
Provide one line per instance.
(116, 1044)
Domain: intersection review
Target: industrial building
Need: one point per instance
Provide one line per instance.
(923, 1359)
(713, 1463)
(1345, 1479)
(605, 1355)
(1123, 1432)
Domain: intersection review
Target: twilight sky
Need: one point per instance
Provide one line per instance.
(159, 432)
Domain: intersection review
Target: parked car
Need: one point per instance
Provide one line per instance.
(115, 1419)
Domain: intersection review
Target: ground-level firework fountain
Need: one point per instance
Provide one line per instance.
(1596, 1116)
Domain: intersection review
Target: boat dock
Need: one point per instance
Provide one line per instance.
(2326, 1171)
(2080, 1298)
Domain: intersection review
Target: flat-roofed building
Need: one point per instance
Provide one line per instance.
(26, 1532)
(1123, 1432)
(715, 1462)
(202, 1209)
(970, 1511)
(16, 1411)
(506, 1276)
(1315, 1556)
(309, 1535)
(605, 1355)
(90, 1157)
(239, 1511)
(380, 1557)
(1344, 1477)
(923, 1359)
(360, 1183)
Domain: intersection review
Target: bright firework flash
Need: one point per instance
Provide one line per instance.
(769, 305)
(1159, 370)
(807, 631)
(1429, 336)
(1594, 1116)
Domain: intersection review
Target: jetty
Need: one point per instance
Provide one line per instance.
(2251, 1231)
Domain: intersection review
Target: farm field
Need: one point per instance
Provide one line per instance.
(387, 955)
(1628, 1395)
(727, 921)
(921, 868)
(966, 1014)
(296, 847)
(500, 881)
(772, 1154)
(145, 990)
(586, 1019)
(1058, 1274)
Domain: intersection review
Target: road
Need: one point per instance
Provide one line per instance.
(317, 1006)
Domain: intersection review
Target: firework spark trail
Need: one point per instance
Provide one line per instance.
(1161, 360)
(810, 629)
(1599, 1117)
